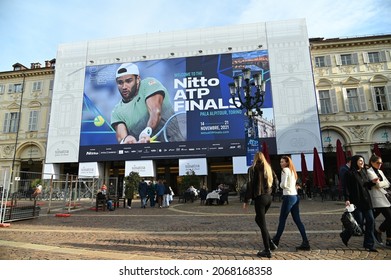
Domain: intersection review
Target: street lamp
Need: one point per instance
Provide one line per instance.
(329, 148)
(387, 144)
(250, 94)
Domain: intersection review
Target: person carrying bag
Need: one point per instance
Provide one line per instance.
(350, 225)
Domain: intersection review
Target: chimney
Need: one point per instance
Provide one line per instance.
(35, 65)
(47, 64)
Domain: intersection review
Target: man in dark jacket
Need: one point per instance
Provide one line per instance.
(342, 176)
(160, 188)
(142, 191)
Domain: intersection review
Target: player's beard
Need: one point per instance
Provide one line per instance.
(128, 95)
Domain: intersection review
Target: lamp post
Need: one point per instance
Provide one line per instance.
(327, 140)
(387, 144)
(249, 96)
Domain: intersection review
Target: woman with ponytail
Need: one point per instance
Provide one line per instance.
(290, 203)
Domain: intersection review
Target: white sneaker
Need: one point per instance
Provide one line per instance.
(129, 207)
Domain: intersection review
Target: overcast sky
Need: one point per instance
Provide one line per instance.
(31, 30)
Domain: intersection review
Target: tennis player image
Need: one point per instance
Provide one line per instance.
(145, 113)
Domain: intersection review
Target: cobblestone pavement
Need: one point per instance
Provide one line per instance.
(184, 231)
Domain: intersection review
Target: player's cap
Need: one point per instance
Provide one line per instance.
(127, 69)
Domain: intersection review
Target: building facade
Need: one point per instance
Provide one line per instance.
(353, 87)
(25, 102)
(196, 67)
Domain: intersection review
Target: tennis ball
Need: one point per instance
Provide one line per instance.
(99, 121)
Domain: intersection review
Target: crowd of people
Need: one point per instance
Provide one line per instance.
(364, 188)
(161, 194)
(149, 192)
(365, 194)
(158, 193)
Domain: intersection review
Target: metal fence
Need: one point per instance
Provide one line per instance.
(67, 188)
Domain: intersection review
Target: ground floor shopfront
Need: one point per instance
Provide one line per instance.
(220, 170)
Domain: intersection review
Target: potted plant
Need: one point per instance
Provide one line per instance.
(131, 184)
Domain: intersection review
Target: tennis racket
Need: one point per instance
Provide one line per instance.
(174, 129)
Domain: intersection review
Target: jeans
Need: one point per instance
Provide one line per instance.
(110, 204)
(261, 205)
(386, 224)
(143, 201)
(290, 204)
(367, 215)
(166, 200)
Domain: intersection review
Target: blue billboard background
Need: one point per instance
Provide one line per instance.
(197, 86)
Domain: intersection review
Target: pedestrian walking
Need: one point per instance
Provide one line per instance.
(357, 193)
(290, 204)
(151, 191)
(380, 203)
(160, 188)
(142, 191)
(259, 189)
(342, 176)
(166, 195)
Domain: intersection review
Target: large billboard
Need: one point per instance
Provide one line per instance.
(183, 105)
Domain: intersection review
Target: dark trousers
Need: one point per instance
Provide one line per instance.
(385, 226)
(262, 204)
(367, 216)
(129, 202)
(160, 200)
(152, 200)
